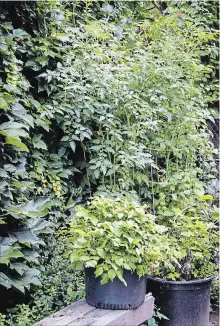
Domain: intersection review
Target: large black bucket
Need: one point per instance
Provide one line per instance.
(185, 303)
(115, 295)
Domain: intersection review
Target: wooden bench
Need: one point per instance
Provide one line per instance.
(82, 314)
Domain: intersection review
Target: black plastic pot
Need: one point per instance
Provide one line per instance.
(185, 303)
(115, 295)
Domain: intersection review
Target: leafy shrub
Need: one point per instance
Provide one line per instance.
(60, 286)
(113, 235)
(193, 240)
(32, 179)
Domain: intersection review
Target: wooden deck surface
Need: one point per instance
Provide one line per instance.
(81, 314)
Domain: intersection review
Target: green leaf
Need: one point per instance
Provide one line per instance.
(101, 252)
(161, 316)
(197, 254)
(31, 276)
(126, 266)
(120, 276)
(23, 184)
(20, 32)
(12, 125)
(14, 133)
(18, 109)
(104, 278)
(65, 138)
(31, 256)
(61, 151)
(8, 252)
(5, 280)
(27, 237)
(2, 221)
(17, 284)
(206, 197)
(29, 119)
(19, 267)
(71, 203)
(94, 220)
(91, 263)
(98, 271)
(3, 104)
(84, 258)
(73, 146)
(111, 274)
(38, 142)
(17, 143)
(35, 103)
(151, 322)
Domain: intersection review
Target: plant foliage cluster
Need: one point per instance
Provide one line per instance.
(116, 235)
(105, 98)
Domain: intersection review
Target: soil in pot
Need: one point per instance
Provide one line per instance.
(115, 295)
(185, 303)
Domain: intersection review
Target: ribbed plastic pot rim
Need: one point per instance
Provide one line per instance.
(161, 280)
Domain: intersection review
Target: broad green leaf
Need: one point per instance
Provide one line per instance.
(61, 151)
(35, 103)
(161, 316)
(13, 125)
(206, 197)
(3, 104)
(111, 274)
(8, 252)
(197, 254)
(38, 142)
(31, 256)
(91, 263)
(27, 237)
(31, 276)
(101, 252)
(17, 284)
(23, 184)
(15, 142)
(151, 322)
(5, 280)
(20, 267)
(20, 33)
(84, 258)
(98, 271)
(104, 278)
(71, 203)
(120, 276)
(73, 146)
(15, 133)
(126, 266)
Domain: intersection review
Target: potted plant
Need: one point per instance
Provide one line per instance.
(117, 242)
(181, 285)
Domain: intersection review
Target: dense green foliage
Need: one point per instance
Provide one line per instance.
(193, 239)
(60, 286)
(113, 235)
(90, 96)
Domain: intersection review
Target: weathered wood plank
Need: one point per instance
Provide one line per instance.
(82, 314)
(70, 308)
(68, 314)
(132, 317)
(89, 318)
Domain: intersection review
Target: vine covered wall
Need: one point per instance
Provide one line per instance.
(111, 98)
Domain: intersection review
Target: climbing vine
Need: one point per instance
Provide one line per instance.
(110, 98)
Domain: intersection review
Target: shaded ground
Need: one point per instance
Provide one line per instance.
(214, 319)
